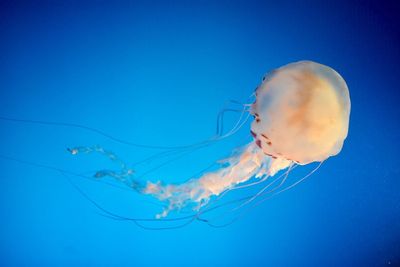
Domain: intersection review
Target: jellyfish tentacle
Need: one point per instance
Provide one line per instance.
(136, 221)
(249, 198)
(300, 180)
(269, 194)
(124, 175)
(100, 150)
(205, 143)
(84, 127)
(181, 153)
(239, 168)
(90, 129)
(265, 188)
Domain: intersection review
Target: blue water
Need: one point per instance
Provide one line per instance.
(158, 74)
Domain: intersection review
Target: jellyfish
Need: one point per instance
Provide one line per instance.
(301, 115)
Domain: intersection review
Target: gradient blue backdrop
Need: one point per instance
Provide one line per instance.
(158, 73)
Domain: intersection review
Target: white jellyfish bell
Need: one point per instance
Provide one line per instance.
(301, 115)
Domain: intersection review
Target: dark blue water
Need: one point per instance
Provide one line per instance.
(158, 74)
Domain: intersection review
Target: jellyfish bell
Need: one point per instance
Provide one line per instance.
(301, 113)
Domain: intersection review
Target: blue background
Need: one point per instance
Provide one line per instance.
(158, 73)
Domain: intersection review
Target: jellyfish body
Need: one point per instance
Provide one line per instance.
(301, 112)
(301, 116)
